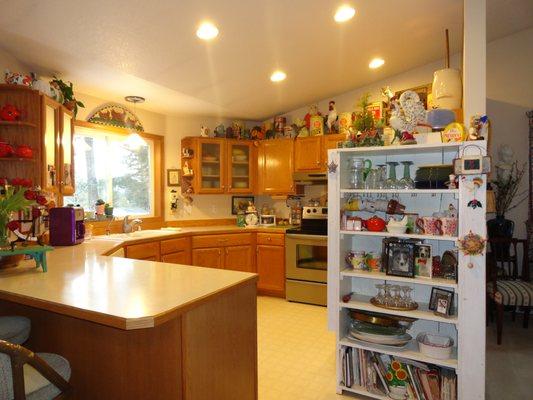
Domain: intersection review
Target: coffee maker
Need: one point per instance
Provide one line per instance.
(67, 226)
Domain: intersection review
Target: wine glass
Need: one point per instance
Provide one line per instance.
(408, 300)
(379, 298)
(391, 182)
(406, 182)
(397, 299)
(382, 176)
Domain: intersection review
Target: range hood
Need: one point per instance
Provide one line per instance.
(310, 178)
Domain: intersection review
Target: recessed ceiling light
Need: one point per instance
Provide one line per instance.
(207, 31)
(344, 13)
(376, 63)
(278, 76)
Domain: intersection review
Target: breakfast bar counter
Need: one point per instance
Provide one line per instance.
(139, 329)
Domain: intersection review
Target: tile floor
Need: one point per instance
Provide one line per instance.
(297, 359)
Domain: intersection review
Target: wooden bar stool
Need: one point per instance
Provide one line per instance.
(15, 329)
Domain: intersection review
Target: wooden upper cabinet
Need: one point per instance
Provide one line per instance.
(211, 166)
(275, 166)
(51, 111)
(240, 166)
(330, 142)
(308, 154)
(66, 152)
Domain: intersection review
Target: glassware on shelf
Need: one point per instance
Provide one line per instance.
(357, 168)
(387, 298)
(391, 182)
(406, 182)
(382, 176)
(396, 299)
(372, 179)
(380, 296)
(409, 303)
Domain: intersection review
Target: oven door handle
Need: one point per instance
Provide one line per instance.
(316, 238)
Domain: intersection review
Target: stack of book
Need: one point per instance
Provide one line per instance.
(383, 374)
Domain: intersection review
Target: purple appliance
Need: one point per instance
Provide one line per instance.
(67, 227)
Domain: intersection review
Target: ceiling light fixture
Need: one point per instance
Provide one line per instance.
(207, 31)
(376, 63)
(344, 13)
(134, 141)
(278, 76)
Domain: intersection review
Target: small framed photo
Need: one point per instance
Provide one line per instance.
(400, 259)
(423, 261)
(441, 301)
(240, 203)
(173, 177)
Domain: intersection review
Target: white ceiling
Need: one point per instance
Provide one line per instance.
(115, 48)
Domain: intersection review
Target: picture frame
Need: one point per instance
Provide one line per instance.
(423, 261)
(400, 259)
(173, 177)
(441, 301)
(240, 203)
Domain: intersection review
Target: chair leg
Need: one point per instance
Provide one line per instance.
(526, 316)
(499, 322)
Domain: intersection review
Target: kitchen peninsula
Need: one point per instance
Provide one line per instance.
(137, 328)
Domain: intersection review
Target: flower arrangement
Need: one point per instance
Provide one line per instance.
(16, 195)
(365, 130)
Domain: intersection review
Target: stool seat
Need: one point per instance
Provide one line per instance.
(14, 329)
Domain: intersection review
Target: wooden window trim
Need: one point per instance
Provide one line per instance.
(159, 157)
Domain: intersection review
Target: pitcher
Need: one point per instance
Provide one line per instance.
(359, 168)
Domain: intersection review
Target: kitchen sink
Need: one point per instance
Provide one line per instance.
(148, 233)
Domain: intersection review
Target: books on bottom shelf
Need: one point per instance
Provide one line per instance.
(383, 375)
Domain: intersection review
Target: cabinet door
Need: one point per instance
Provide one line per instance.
(271, 270)
(240, 171)
(211, 161)
(330, 142)
(275, 166)
(239, 258)
(143, 251)
(51, 126)
(179, 257)
(66, 152)
(209, 257)
(308, 154)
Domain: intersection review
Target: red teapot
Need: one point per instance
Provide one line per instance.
(9, 113)
(6, 150)
(375, 224)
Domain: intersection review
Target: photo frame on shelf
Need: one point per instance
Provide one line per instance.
(423, 261)
(240, 203)
(173, 177)
(441, 301)
(400, 259)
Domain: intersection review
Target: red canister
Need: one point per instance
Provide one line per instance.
(6, 150)
(24, 151)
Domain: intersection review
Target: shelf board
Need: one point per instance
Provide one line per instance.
(441, 282)
(210, 162)
(240, 177)
(18, 123)
(402, 235)
(401, 191)
(361, 390)
(359, 302)
(211, 176)
(240, 162)
(411, 352)
(404, 149)
(17, 159)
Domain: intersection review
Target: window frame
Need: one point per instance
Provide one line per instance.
(155, 221)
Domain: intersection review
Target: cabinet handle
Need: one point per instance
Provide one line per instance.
(219, 252)
(269, 238)
(227, 252)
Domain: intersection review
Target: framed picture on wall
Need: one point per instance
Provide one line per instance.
(173, 177)
(240, 203)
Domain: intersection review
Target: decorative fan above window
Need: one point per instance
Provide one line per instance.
(114, 114)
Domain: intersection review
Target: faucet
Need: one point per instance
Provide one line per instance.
(128, 227)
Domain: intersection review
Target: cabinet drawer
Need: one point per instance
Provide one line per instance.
(180, 257)
(231, 239)
(273, 239)
(143, 250)
(175, 245)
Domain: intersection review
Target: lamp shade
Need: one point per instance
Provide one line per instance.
(447, 88)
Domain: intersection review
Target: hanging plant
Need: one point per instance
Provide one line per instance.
(67, 89)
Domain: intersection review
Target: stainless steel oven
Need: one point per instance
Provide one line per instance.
(306, 259)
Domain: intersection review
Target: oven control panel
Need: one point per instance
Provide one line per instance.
(309, 212)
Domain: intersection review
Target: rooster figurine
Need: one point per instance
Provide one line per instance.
(332, 117)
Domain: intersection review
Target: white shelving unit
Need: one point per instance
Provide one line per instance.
(469, 289)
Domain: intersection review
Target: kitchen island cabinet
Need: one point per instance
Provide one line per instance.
(134, 329)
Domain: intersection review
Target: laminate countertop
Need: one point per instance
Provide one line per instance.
(124, 293)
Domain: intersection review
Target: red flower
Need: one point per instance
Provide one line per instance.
(35, 212)
(3, 181)
(13, 225)
(26, 183)
(16, 181)
(30, 195)
(41, 200)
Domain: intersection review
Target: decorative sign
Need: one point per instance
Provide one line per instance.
(472, 244)
(113, 114)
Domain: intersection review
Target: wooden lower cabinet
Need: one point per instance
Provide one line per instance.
(143, 251)
(271, 270)
(209, 257)
(180, 257)
(239, 258)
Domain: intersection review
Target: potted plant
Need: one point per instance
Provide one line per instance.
(67, 89)
(108, 210)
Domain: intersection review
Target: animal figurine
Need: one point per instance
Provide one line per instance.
(394, 226)
(204, 131)
(332, 118)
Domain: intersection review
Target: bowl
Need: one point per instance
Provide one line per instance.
(396, 229)
(435, 346)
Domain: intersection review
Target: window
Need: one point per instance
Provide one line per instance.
(107, 168)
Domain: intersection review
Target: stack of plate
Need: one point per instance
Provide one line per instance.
(389, 336)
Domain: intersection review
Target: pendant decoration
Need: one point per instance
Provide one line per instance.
(472, 244)
(473, 186)
(332, 167)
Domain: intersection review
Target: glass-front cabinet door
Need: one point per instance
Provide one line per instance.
(51, 111)
(211, 175)
(240, 164)
(66, 148)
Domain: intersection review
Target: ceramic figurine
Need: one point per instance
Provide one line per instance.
(408, 112)
(230, 134)
(246, 134)
(204, 131)
(42, 86)
(238, 128)
(220, 131)
(256, 133)
(479, 127)
(15, 78)
(332, 118)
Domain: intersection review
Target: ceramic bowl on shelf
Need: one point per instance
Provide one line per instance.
(435, 346)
